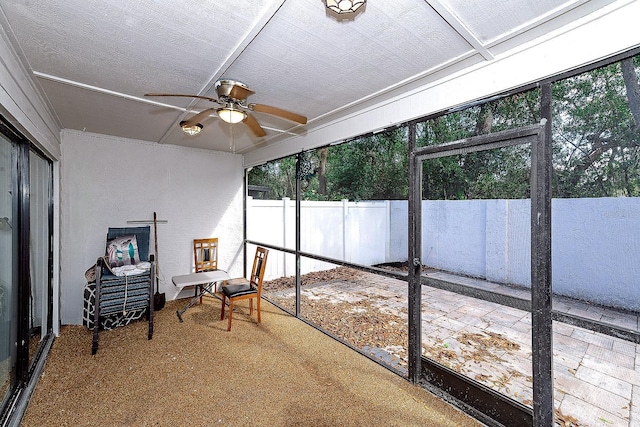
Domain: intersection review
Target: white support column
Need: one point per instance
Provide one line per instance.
(55, 242)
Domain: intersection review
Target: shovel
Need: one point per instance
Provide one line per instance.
(159, 299)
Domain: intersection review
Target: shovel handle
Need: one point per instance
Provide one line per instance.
(155, 241)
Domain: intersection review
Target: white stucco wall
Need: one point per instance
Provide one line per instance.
(453, 236)
(508, 241)
(107, 181)
(595, 246)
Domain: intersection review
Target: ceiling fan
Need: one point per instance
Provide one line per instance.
(232, 98)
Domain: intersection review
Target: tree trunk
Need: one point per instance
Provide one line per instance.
(322, 169)
(485, 120)
(633, 89)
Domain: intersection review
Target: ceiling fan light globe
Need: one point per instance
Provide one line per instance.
(191, 130)
(231, 115)
(344, 6)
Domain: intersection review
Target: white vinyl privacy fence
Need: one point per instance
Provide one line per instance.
(596, 241)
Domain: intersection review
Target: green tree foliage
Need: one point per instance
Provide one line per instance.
(371, 168)
(278, 175)
(596, 133)
(596, 143)
(501, 173)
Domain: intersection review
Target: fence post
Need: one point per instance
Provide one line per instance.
(345, 218)
(285, 222)
(387, 236)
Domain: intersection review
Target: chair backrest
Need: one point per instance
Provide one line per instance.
(142, 237)
(205, 254)
(259, 265)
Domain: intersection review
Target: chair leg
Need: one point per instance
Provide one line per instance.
(258, 304)
(224, 301)
(230, 314)
(250, 306)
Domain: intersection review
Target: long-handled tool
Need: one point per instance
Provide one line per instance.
(159, 299)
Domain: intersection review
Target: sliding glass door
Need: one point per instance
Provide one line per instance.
(26, 212)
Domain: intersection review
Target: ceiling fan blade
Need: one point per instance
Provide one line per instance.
(254, 126)
(198, 117)
(274, 111)
(184, 96)
(240, 92)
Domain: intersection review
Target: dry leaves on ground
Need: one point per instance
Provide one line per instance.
(363, 324)
(360, 323)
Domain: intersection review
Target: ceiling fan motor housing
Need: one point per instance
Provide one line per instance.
(224, 87)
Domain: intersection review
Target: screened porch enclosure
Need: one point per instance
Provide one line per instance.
(514, 311)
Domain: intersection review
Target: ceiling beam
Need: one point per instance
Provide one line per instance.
(455, 23)
(103, 90)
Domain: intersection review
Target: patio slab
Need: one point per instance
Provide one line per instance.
(597, 377)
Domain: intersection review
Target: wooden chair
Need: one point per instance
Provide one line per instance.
(241, 288)
(205, 254)
(205, 257)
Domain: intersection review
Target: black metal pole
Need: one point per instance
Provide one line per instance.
(298, 203)
(245, 187)
(415, 257)
(24, 272)
(541, 289)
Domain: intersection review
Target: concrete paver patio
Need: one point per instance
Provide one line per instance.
(596, 376)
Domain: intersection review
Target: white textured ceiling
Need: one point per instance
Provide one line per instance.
(94, 60)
